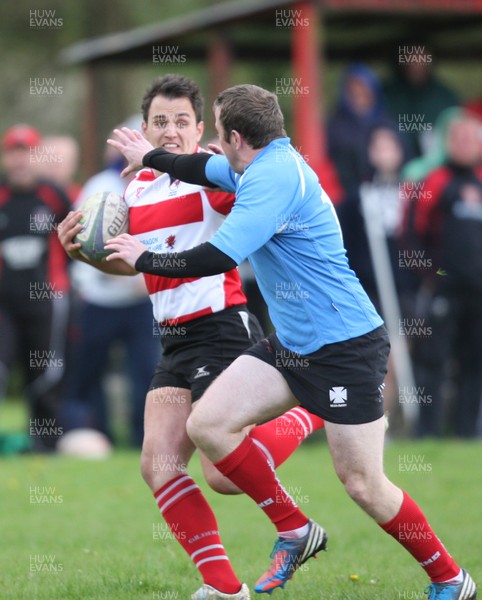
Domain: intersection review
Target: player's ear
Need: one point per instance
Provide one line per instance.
(144, 127)
(199, 130)
(236, 136)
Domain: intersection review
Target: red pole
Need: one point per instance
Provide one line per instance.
(308, 109)
(307, 65)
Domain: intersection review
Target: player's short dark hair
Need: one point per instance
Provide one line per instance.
(172, 87)
(253, 112)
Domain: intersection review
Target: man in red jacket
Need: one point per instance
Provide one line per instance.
(34, 282)
(447, 225)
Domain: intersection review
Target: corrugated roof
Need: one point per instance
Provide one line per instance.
(399, 17)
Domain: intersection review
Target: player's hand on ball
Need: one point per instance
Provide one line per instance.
(67, 230)
(125, 247)
(133, 146)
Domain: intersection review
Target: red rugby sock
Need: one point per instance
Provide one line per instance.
(194, 525)
(411, 529)
(248, 468)
(280, 437)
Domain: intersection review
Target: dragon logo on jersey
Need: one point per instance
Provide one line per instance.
(173, 186)
(170, 241)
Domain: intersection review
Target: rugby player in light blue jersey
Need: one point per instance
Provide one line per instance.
(330, 348)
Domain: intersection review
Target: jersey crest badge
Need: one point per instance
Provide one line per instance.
(170, 241)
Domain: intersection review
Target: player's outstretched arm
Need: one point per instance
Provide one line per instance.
(68, 229)
(190, 168)
(201, 261)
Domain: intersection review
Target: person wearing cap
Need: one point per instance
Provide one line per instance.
(34, 282)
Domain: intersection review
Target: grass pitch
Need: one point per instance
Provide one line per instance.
(79, 529)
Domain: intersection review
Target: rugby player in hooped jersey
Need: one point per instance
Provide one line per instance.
(284, 222)
(204, 326)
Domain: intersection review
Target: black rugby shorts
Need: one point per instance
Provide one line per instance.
(340, 382)
(196, 352)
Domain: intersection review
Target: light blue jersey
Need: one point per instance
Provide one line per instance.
(285, 224)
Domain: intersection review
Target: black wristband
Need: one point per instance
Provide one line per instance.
(201, 261)
(190, 168)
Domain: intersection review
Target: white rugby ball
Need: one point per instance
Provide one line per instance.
(104, 215)
(84, 443)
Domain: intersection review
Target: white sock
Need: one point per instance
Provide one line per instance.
(294, 534)
(457, 579)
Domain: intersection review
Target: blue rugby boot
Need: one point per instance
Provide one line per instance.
(465, 590)
(288, 555)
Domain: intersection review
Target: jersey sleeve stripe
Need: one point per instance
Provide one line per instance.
(221, 202)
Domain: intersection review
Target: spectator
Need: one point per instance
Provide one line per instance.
(359, 109)
(61, 163)
(418, 168)
(386, 156)
(448, 227)
(34, 283)
(416, 96)
(112, 311)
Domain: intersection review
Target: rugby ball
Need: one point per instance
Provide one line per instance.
(104, 215)
(84, 443)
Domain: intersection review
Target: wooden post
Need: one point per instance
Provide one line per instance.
(90, 127)
(220, 60)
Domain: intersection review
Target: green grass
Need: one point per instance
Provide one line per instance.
(98, 528)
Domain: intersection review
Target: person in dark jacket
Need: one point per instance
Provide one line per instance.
(386, 156)
(447, 225)
(34, 283)
(416, 96)
(359, 109)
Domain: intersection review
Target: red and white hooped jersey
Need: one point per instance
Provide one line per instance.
(171, 216)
